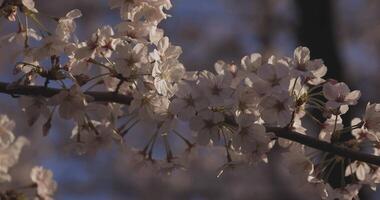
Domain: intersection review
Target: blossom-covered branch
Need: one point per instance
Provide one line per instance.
(112, 97)
(131, 74)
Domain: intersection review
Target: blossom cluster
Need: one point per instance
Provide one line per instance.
(234, 107)
(10, 150)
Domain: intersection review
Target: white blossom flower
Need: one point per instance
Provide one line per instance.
(155, 33)
(52, 45)
(9, 148)
(165, 76)
(78, 66)
(66, 25)
(29, 4)
(362, 133)
(6, 135)
(128, 8)
(215, 87)
(230, 71)
(102, 44)
(275, 75)
(252, 62)
(72, 103)
(136, 30)
(165, 51)
(149, 12)
(134, 9)
(311, 71)
(147, 104)
(166, 119)
(131, 58)
(276, 109)
(251, 137)
(9, 156)
(187, 101)
(207, 126)
(372, 117)
(338, 95)
(246, 101)
(46, 186)
(361, 170)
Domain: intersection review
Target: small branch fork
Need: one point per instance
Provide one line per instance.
(113, 97)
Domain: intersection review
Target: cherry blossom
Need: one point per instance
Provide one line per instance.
(251, 137)
(187, 101)
(207, 125)
(166, 51)
(339, 96)
(246, 101)
(29, 4)
(166, 75)
(101, 44)
(66, 25)
(10, 147)
(230, 71)
(46, 186)
(131, 59)
(72, 103)
(276, 109)
(276, 76)
(360, 169)
(372, 117)
(215, 88)
(310, 70)
(52, 45)
(252, 62)
(361, 133)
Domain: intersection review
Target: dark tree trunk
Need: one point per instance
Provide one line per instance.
(316, 31)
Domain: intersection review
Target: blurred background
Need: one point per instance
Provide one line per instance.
(344, 33)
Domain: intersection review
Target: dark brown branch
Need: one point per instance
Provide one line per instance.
(111, 97)
(325, 146)
(280, 132)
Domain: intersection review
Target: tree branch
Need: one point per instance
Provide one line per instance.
(111, 97)
(126, 100)
(325, 146)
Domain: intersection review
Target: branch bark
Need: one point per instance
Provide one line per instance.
(113, 97)
(110, 97)
(325, 146)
